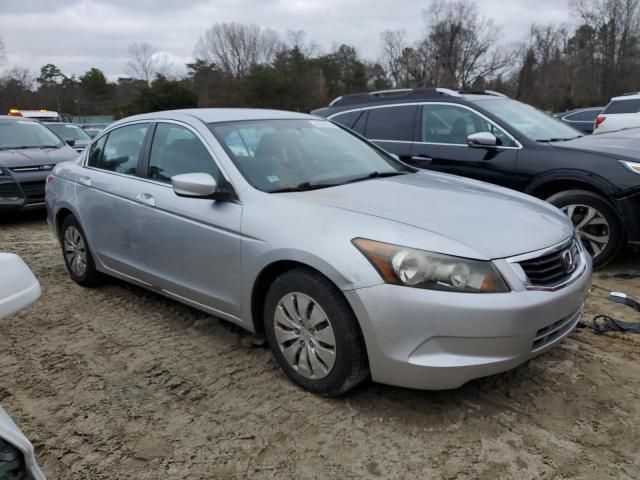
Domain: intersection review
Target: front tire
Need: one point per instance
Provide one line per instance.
(77, 255)
(313, 333)
(596, 222)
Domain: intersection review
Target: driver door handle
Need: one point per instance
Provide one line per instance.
(146, 199)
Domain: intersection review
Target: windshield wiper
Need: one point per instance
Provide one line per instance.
(551, 140)
(306, 186)
(27, 147)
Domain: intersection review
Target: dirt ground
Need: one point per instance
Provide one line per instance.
(118, 383)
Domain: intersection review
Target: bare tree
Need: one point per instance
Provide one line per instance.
(141, 63)
(393, 46)
(236, 47)
(463, 44)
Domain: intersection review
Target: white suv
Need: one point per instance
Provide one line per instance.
(622, 112)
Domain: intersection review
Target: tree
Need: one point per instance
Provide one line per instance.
(50, 76)
(162, 94)
(141, 63)
(17, 89)
(235, 48)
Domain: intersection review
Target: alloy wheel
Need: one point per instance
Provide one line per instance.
(75, 251)
(305, 335)
(591, 225)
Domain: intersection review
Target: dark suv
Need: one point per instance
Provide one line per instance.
(484, 135)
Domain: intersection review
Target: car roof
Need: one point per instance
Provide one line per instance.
(627, 96)
(216, 115)
(17, 119)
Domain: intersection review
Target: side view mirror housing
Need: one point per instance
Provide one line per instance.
(201, 185)
(70, 141)
(482, 140)
(19, 288)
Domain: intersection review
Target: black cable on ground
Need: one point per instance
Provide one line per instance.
(604, 323)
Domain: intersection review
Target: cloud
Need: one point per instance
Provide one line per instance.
(79, 34)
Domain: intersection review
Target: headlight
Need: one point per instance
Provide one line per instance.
(633, 166)
(4, 172)
(433, 271)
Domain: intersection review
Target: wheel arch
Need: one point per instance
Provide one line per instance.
(547, 185)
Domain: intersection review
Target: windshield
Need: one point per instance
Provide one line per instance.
(26, 134)
(69, 132)
(286, 155)
(530, 121)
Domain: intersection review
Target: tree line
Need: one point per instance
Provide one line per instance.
(555, 66)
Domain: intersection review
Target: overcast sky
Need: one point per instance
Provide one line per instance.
(79, 34)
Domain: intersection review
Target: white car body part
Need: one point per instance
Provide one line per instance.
(621, 113)
(19, 288)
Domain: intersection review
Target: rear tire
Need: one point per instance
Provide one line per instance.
(596, 222)
(77, 255)
(313, 333)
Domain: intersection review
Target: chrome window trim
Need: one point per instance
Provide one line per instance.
(575, 275)
(148, 180)
(419, 104)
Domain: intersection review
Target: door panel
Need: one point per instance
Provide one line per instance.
(443, 147)
(108, 210)
(190, 246)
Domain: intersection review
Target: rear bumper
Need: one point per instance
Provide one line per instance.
(440, 340)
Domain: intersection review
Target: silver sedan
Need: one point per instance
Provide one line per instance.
(351, 263)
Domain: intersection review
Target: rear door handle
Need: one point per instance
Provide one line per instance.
(146, 199)
(86, 181)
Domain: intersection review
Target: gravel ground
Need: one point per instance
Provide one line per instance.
(117, 382)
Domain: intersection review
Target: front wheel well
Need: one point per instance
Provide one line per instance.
(261, 286)
(552, 187)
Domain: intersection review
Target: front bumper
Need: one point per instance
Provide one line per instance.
(22, 191)
(629, 207)
(435, 340)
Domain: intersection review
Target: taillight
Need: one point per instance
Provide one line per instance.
(599, 120)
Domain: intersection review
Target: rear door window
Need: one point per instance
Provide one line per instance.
(586, 116)
(391, 123)
(623, 106)
(347, 119)
(121, 150)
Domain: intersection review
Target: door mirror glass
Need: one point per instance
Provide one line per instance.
(18, 286)
(194, 185)
(482, 140)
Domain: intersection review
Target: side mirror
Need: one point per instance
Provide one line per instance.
(70, 141)
(482, 140)
(196, 185)
(19, 288)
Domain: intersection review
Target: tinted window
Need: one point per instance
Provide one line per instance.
(283, 154)
(623, 106)
(122, 149)
(391, 123)
(452, 124)
(585, 116)
(176, 150)
(347, 119)
(95, 154)
(360, 123)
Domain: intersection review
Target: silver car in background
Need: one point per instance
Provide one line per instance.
(349, 261)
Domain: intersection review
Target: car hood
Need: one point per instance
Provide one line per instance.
(36, 156)
(494, 221)
(622, 143)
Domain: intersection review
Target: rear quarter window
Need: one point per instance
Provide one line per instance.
(347, 119)
(623, 106)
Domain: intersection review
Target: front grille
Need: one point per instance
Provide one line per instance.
(33, 190)
(551, 333)
(9, 190)
(553, 268)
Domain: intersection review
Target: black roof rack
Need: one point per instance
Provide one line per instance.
(399, 94)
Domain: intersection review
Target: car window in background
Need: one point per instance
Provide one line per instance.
(176, 150)
(122, 149)
(360, 123)
(347, 119)
(279, 154)
(584, 116)
(391, 123)
(451, 124)
(69, 132)
(26, 134)
(623, 106)
(529, 121)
